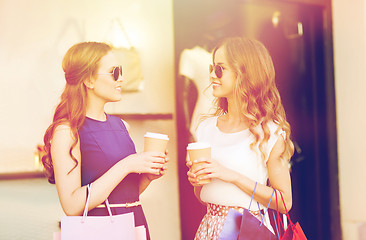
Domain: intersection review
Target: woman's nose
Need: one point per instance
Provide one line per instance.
(120, 79)
(212, 74)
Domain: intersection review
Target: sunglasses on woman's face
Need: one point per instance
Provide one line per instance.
(116, 72)
(218, 70)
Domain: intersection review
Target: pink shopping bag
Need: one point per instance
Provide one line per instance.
(140, 233)
(294, 231)
(110, 227)
(57, 236)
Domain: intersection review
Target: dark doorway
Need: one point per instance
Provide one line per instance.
(300, 44)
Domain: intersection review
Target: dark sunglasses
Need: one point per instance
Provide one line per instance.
(116, 72)
(218, 70)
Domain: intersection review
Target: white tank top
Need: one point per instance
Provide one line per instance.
(233, 151)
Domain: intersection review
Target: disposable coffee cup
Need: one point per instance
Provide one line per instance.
(196, 151)
(156, 142)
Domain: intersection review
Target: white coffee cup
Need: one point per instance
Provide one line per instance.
(196, 151)
(155, 142)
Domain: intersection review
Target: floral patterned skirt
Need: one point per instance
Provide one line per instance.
(213, 221)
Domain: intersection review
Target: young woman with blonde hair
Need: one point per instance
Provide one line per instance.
(248, 134)
(84, 145)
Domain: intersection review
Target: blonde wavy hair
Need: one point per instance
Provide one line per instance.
(255, 91)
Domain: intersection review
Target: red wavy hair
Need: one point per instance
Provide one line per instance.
(80, 63)
(255, 91)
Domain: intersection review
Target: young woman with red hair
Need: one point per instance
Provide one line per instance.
(85, 145)
(248, 134)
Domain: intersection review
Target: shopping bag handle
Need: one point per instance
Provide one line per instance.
(287, 215)
(119, 24)
(279, 222)
(275, 223)
(255, 186)
(85, 214)
(262, 216)
(109, 209)
(266, 208)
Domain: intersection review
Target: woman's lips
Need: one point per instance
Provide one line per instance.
(215, 84)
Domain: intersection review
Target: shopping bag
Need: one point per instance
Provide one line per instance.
(127, 56)
(245, 226)
(232, 224)
(293, 231)
(253, 229)
(132, 76)
(110, 227)
(56, 236)
(140, 232)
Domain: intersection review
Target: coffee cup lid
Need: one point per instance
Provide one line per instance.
(198, 145)
(156, 135)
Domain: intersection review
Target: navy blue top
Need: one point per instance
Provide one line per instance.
(103, 144)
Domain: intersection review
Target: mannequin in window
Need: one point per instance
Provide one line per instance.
(194, 64)
(193, 67)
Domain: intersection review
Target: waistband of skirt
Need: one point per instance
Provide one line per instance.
(222, 210)
(125, 205)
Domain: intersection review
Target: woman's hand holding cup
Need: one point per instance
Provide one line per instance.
(199, 153)
(157, 142)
